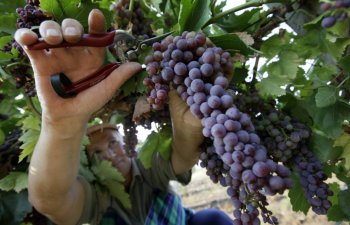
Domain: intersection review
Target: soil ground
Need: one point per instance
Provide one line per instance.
(202, 193)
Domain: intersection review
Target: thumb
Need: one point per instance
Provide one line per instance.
(176, 104)
(112, 83)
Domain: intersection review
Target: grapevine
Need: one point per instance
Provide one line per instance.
(198, 70)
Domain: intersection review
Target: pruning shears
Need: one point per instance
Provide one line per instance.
(127, 47)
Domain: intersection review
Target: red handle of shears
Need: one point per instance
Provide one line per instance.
(90, 40)
(61, 83)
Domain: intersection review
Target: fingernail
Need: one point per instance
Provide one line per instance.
(52, 32)
(71, 31)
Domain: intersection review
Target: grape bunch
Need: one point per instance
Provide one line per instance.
(31, 15)
(338, 11)
(286, 140)
(280, 134)
(198, 70)
(130, 136)
(9, 152)
(140, 25)
(28, 17)
(312, 180)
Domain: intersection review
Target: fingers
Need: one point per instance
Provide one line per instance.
(72, 30)
(97, 22)
(51, 32)
(105, 90)
(24, 37)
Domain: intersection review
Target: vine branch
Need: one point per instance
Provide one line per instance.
(254, 3)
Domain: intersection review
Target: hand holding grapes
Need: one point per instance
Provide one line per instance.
(76, 63)
(184, 122)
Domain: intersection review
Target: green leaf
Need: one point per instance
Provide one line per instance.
(345, 63)
(272, 46)
(323, 148)
(335, 213)
(29, 139)
(75, 9)
(8, 23)
(271, 86)
(135, 84)
(247, 21)
(105, 171)
(326, 96)
(156, 142)
(344, 142)
(109, 177)
(297, 198)
(148, 149)
(16, 181)
(328, 119)
(193, 14)
(344, 199)
(231, 42)
(165, 141)
(117, 190)
(14, 207)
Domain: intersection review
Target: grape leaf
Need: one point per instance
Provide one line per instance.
(16, 181)
(344, 199)
(75, 9)
(335, 213)
(344, 142)
(117, 190)
(326, 96)
(328, 119)
(14, 207)
(112, 179)
(193, 14)
(271, 86)
(231, 42)
(160, 141)
(248, 21)
(273, 45)
(297, 198)
(345, 63)
(30, 136)
(323, 148)
(105, 171)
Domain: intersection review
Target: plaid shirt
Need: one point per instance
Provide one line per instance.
(166, 209)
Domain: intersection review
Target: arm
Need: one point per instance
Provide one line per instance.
(187, 135)
(53, 186)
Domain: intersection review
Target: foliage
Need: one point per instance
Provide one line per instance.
(306, 70)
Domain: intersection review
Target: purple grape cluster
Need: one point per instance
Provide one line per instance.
(10, 151)
(198, 70)
(31, 15)
(338, 12)
(140, 25)
(312, 180)
(286, 140)
(130, 136)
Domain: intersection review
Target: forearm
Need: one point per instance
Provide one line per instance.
(55, 162)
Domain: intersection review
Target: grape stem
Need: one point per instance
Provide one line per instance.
(131, 5)
(254, 3)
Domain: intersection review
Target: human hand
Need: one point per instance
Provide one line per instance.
(187, 129)
(75, 63)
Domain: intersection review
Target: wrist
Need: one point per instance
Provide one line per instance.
(64, 128)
